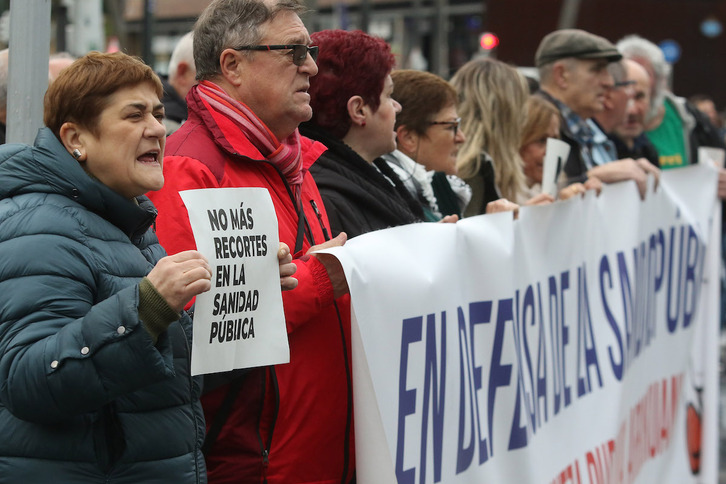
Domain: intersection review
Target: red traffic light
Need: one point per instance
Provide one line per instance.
(488, 41)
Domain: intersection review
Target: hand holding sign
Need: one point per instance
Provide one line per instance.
(287, 268)
(179, 277)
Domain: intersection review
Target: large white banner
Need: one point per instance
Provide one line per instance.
(564, 347)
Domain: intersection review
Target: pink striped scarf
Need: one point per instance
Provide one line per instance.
(285, 155)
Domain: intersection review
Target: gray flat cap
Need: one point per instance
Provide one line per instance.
(576, 43)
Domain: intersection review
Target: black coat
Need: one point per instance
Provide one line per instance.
(358, 196)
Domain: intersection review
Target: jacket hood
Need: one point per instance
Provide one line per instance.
(48, 168)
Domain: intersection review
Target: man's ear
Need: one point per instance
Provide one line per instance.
(182, 68)
(608, 102)
(230, 65)
(357, 110)
(72, 137)
(407, 140)
(560, 74)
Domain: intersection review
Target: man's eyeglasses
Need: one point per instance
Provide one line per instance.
(299, 51)
(623, 84)
(454, 124)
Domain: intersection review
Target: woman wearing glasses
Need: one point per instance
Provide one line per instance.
(354, 116)
(428, 140)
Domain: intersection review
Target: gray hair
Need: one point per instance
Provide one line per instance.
(546, 71)
(231, 23)
(617, 70)
(183, 52)
(634, 46)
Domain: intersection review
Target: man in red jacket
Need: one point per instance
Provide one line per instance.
(288, 423)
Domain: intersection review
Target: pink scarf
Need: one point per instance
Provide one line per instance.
(285, 155)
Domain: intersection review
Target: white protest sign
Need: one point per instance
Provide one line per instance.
(554, 162)
(240, 322)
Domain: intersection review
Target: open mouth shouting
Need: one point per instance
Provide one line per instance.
(150, 157)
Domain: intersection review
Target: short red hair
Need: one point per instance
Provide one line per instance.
(350, 63)
(82, 90)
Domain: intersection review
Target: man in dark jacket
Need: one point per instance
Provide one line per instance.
(574, 76)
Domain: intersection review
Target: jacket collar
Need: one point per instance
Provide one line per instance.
(47, 167)
(311, 150)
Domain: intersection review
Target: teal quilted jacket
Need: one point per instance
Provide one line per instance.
(85, 395)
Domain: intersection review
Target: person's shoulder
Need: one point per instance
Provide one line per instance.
(189, 135)
(11, 150)
(311, 150)
(44, 214)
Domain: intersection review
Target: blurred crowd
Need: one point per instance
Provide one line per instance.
(101, 265)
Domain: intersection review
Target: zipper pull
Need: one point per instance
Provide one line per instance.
(320, 219)
(265, 458)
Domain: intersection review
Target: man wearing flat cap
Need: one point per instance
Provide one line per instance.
(573, 70)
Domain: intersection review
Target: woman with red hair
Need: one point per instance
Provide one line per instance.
(354, 115)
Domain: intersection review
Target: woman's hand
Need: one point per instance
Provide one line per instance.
(593, 183)
(180, 277)
(503, 205)
(287, 268)
(449, 219)
(571, 190)
(332, 264)
(541, 199)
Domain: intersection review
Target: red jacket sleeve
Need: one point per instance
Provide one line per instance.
(172, 224)
(313, 294)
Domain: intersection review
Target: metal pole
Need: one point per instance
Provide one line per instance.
(61, 22)
(365, 14)
(148, 55)
(415, 31)
(115, 9)
(568, 14)
(440, 50)
(311, 18)
(28, 68)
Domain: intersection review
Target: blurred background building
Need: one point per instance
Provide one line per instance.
(434, 35)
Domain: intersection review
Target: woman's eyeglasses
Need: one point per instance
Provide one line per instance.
(299, 51)
(454, 124)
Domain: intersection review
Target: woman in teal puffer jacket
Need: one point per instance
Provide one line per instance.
(95, 384)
